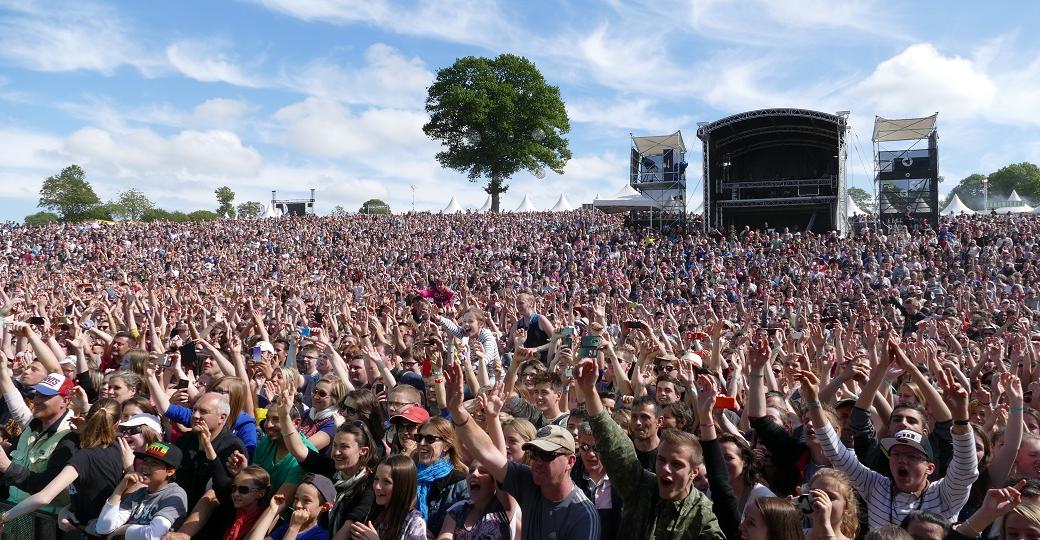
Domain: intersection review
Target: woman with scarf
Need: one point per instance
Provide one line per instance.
(347, 464)
(441, 473)
(319, 424)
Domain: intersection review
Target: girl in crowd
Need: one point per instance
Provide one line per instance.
(361, 405)
(771, 518)
(744, 474)
(835, 511)
(517, 432)
(474, 325)
(319, 424)
(487, 514)
(244, 494)
(394, 516)
(94, 471)
(121, 385)
(441, 476)
(140, 430)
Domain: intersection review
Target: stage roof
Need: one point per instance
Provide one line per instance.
(655, 145)
(764, 128)
(906, 129)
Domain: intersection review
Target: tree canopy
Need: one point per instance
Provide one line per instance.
(495, 117)
(375, 207)
(225, 200)
(70, 196)
(250, 209)
(864, 200)
(131, 205)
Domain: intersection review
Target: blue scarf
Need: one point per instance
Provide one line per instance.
(429, 474)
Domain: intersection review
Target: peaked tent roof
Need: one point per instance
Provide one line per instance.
(1014, 196)
(625, 199)
(486, 207)
(956, 207)
(854, 208)
(526, 205)
(905, 129)
(452, 208)
(655, 145)
(562, 205)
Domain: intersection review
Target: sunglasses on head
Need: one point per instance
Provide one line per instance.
(543, 456)
(243, 490)
(426, 439)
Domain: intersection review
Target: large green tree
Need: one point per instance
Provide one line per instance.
(226, 201)
(42, 218)
(1021, 177)
(375, 207)
(495, 117)
(131, 205)
(250, 209)
(70, 196)
(969, 189)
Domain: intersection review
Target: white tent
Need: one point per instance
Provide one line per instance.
(1014, 209)
(452, 208)
(1014, 196)
(699, 209)
(956, 207)
(526, 206)
(854, 209)
(271, 210)
(486, 206)
(624, 200)
(562, 205)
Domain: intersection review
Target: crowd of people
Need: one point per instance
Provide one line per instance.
(486, 376)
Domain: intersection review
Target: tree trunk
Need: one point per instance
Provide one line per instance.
(495, 189)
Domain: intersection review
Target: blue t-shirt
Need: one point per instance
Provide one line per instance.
(314, 533)
(244, 428)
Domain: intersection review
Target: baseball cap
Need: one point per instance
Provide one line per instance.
(911, 438)
(166, 453)
(552, 438)
(71, 360)
(265, 346)
(414, 414)
(55, 383)
(143, 419)
(322, 484)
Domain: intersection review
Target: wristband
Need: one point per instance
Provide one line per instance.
(468, 418)
(711, 425)
(960, 422)
(812, 404)
(755, 376)
(1018, 408)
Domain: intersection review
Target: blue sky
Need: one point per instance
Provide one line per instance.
(178, 98)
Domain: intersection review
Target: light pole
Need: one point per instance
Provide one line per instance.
(985, 194)
(413, 197)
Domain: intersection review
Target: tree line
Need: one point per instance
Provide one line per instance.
(69, 198)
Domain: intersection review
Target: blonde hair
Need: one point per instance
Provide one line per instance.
(850, 519)
(1028, 511)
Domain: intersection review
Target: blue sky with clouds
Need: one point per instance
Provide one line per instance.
(179, 97)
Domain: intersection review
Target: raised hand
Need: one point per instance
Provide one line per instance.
(955, 396)
(707, 390)
(125, 453)
(810, 385)
(236, 462)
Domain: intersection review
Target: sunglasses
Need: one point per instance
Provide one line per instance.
(426, 439)
(543, 456)
(587, 448)
(658, 369)
(243, 490)
(320, 393)
(347, 409)
(129, 430)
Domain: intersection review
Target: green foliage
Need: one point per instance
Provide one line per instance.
(495, 117)
(225, 200)
(70, 195)
(865, 201)
(969, 189)
(205, 215)
(375, 207)
(1021, 177)
(338, 211)
(42, 218)
(131, 205)
(250, 209)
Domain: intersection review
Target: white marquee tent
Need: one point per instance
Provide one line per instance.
(854, 209)
(452, 208)
(526, 205)
(562, 205)
(956, 207)
(624, 200)
(1014, 196)
(486, 207)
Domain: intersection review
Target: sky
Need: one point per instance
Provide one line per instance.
(177, 98)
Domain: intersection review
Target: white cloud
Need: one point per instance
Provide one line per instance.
(388, 79)
(220, 113)
(639, 114)
(189, 154)
(208, 61)
(71, 37)
(326, 128)
(920, 80)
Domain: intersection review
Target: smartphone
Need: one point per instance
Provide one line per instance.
(589, 346)
(256, 354)
(189, 357)
(726, 402)
(68, 309)
(805, 503)
(182, 384)
(38, 321)
(305, 331)
(567, 336)
(163, 361)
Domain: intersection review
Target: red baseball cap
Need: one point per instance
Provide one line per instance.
(415, 414)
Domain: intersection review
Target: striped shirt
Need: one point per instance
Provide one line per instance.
(486, 338)
(887, 505)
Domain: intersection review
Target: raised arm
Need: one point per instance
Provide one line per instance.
(471, 437)
(1004, 459)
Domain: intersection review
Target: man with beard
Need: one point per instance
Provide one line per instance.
(911, 461)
